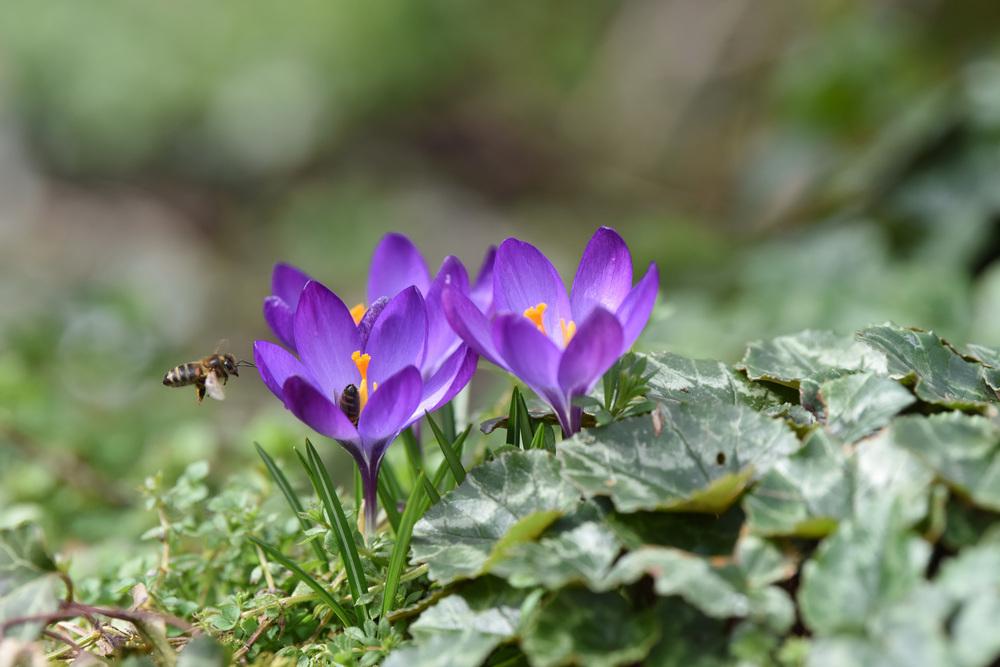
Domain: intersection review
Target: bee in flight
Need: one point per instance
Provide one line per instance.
(208, 375)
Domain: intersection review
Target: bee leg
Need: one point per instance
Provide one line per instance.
(200, 391)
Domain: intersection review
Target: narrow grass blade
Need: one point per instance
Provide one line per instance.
(442, 480)
(416, 505)
(293, 500)
(359, 490)
(538, 441)
(512, 428)
(392, 480)
(413, 454)
(454, 462)
(448, 425)
(388, 500)
(524, 422)
(341, 527)
(346, 618)
(430, 490)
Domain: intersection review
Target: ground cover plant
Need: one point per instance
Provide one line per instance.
(827, 500)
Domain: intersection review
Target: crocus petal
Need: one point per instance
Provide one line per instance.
(275, 365)
(390, 407)
(287, 283)
(319, 412)
(604, 277)
(442, 340)
(523, 277)
(596, 345)
(399, 336)
(325, 337)
(481, 293)
(470, 324)
(368, 319)
(281, 318)
(396, 265)
(450, 379)
(637, 306)
(529, 353)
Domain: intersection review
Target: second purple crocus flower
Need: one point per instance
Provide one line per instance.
(559, 344)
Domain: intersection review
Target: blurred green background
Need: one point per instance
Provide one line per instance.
(788, 165)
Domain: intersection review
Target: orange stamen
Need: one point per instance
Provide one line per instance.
(358, 312)
(567, 330)
(535, 314)
(362, 361)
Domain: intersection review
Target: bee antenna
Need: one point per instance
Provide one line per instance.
(242, 362)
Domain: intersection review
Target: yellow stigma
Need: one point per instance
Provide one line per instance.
(567, 330)
(357, 313)
(535, 314)
(362, 361)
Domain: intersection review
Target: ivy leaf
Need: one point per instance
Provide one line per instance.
(942, 376)
(809, 354)
(963, 449)
(29, 583)
(807, 494)
(858, 405)
(679, 379)
(701, 460)
(579, 627)
(868, 564)
(464, 628)
(578, 548)
(702, 534)
(510, 499)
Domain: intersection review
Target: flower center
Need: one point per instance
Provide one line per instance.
(568, 329)
(535, 314)
(362, 361)
(357, 313)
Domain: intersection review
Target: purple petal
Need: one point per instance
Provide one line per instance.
(325, 337)
(396, 265)
(637, 306)
(470, 324)
(529, 353)
(275, 365)
(596, 345)
(318, 411)
(604, 277)
(442, 340)
(481, 293)
(287, 283)
(398, 337)
(523, 277)
(368, 319)
(450, 379)
(390, 407)
(281, 318)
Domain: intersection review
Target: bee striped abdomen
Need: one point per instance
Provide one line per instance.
(350, 403)
(184, 375)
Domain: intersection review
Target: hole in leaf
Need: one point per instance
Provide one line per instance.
(720, 458)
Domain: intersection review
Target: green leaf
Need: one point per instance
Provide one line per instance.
(414, 456)
(809, 354)
(464, 649)
(807, 494)
(29, 583)
(701, 460)
(688, 638)
(293, 499)
(387, 497)
(342, 530)
(578, 548)
(703, 534)
(518, 493)
(450, 455)
(963, 449)
(858, 405)
(415, 507)
(203, 651)
(584, 628)
(678, 379)
(942, 376)
(868, 564)
(339, 611)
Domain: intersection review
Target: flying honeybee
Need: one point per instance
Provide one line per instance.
(350, 403)
(208, 375)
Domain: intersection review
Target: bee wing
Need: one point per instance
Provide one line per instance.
(213, 387)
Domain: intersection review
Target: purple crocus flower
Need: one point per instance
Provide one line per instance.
(381, 358)
(396, 265)
(559, 344)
